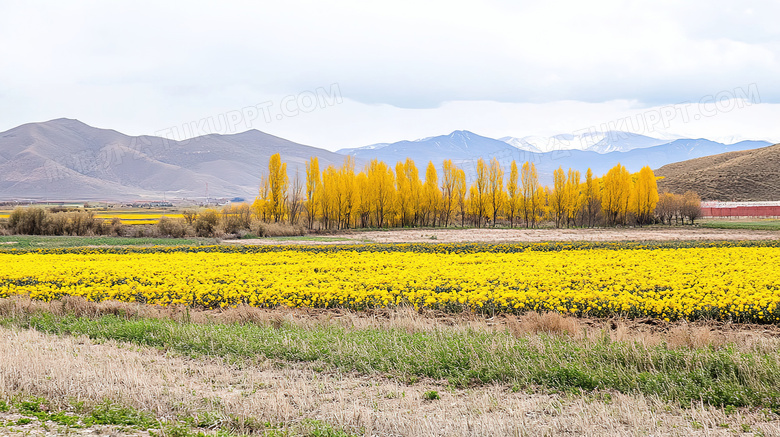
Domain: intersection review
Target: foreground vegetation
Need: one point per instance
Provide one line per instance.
(45, 416)
(718, 281)
(718, 374)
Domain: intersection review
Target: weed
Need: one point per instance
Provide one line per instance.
(431, 395)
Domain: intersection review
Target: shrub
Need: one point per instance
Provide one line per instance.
(168, 227)
(82, 223)
(29, 221)
(235, 218)
(278, 229)
(115, 227)
(189, 216)
(206, 223)
(56, 224)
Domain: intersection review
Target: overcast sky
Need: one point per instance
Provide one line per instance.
(338, 74)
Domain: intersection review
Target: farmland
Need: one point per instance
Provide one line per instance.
(328, 336)
(128, 216)
(726, 281)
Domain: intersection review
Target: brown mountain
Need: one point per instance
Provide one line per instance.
(749, 175)
(66, 159)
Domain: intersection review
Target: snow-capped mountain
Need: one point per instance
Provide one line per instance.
(598, 151)
(351, 150)
(599, 142)
(458, 146)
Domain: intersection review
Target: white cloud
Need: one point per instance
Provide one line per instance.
(407, 68)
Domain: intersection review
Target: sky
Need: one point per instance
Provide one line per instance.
(337, 74)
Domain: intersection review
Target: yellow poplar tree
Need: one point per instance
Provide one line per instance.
(313, 182)
(431, 195)
(363, 201)
(615, 197)
(327, 196)
(574, 197)
(461, 190)
(348, 193)
(513, 195)
(496, 194)
(533, 195)
(415, 195)
(278, 182)
(645, 196)
(480, 194)
(382, 191)
(592, 198)
(557, 197)
(403, 195)
(448, 190)
(261, 204)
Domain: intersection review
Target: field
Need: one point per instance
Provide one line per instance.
(128, 216)
(327, 336)
(50, 242)
(763, 225)
(716, 281)
(492, 236)
(115, 368)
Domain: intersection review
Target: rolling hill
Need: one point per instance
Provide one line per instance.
(66, 159)
(749, 175)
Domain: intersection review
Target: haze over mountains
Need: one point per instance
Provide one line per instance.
(66, 159)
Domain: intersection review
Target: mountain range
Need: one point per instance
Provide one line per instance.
(602, 151)
(600, 142)
(65, 159)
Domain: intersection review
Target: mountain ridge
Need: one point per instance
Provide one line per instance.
(747, 175)
(68, 159)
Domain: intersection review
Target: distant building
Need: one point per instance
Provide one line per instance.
(740, 209)
(149, 204)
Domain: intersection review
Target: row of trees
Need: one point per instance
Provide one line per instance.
(380, 196)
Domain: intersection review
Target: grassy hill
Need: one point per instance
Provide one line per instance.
(750, 175)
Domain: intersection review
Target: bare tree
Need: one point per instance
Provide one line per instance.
(295, 199)
(690, 206)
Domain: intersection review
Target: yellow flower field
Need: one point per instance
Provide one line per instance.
(738, 283)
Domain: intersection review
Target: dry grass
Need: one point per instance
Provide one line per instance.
(547, 323)
(451, 235)
(649, 332)
(278, 229)
(64, 369)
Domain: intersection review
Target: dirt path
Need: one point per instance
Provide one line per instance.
(524, 235)
(65, 368)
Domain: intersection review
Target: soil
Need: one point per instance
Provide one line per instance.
(654, 233)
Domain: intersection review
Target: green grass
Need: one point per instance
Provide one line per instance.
(170, 245)
(54, 242)
(720, 377)
(758, 225)
(110, 413)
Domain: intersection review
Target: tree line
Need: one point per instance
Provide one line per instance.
(382, 196)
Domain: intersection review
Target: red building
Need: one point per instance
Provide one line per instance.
(740, 209)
